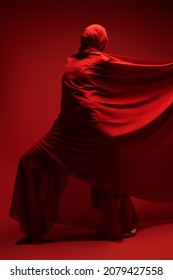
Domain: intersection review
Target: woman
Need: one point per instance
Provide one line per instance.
(113, 132)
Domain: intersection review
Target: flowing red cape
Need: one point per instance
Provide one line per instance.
(115, 129)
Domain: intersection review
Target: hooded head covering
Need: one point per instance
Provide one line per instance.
(94, 36)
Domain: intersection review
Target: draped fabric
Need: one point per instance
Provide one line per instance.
(38, 185)
(115, 129)
(115, 126)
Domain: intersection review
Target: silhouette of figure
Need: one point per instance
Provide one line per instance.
(114, 132)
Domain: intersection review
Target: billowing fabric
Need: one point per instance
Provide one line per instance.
(115, 128)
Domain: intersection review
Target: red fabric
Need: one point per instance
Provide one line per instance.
(114, 130)
(38, 186)
(115, 126)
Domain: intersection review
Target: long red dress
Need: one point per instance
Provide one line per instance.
(114, 132)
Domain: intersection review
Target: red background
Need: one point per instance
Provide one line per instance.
(37, 38)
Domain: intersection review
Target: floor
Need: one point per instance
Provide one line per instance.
(67, 242)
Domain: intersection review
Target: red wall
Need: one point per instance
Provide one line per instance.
(37, 37)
